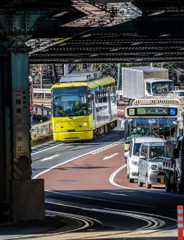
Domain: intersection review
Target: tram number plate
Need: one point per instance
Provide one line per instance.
(161, 180)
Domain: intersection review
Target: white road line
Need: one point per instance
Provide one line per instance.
(111, 179)
(72, 160)
(47, 149)
(110, 156)
(49, 158)
(118, 194)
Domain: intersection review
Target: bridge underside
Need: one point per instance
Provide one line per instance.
(154, 36)
(100, 31)
(69, 31)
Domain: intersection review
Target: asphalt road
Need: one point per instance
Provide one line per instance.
(88, 179)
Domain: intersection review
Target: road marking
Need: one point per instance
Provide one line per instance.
(111, 179)
(49, 158)
(47, 149)
(118, 194)
(72, 159)
(107, 147)
(110, 156)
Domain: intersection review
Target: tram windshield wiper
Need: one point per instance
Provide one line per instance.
(66, 114)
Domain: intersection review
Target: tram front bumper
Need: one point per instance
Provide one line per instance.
(73, 136)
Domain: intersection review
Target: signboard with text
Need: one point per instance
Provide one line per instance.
(21, 123)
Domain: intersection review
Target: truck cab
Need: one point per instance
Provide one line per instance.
(158, 86)
(173, 165)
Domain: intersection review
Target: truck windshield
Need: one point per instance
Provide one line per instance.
(137, 149)
(162, 87)
(69, 101)
(156, 154)
(154, 127)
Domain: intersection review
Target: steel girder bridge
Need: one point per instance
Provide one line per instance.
(68, 31)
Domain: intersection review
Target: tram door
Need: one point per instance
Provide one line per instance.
(94, 110)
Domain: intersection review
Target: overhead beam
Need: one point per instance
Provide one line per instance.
(159, 4)
(143, 26)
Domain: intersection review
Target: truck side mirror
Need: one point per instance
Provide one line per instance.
(176, 152)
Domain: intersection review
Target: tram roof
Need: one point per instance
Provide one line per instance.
(91, 83)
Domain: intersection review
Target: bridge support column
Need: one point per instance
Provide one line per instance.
(23, 196)
(20, 196)
(24, 191)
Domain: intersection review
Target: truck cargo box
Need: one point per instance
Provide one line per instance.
(133, 80)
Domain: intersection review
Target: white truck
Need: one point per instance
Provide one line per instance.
(138, 82)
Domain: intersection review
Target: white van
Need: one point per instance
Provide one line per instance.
(150, 169)
(133, 155)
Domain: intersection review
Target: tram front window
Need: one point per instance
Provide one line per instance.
(70, 101)
(162, 87)
(164, 128)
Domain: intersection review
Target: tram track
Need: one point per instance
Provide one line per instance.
(153, 222)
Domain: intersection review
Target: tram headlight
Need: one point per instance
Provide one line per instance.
(85, 124)
(57, 125)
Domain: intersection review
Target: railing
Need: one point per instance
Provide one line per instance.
(41, 129)
(42, 91)
(48, 110)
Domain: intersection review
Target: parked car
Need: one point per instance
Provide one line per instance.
(180, 92)
(132, 156)
(150, 169)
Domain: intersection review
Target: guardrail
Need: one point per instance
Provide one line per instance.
(41, 129)
(42, 91)
(48, 110)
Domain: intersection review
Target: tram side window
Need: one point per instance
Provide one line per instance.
(89, 104)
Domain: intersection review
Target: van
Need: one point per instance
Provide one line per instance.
(150, 169)
(132, 156)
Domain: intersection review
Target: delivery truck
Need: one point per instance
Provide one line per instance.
(138, 82)
(173, 165)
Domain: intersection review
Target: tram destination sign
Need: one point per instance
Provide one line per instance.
(152, 111)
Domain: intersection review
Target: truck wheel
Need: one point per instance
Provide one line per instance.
(130, 179)
(148, 186)
(140, 184)
(179, 184)
(167, 182)
(127, 173)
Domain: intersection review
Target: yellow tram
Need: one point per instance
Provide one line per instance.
(83, 107)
